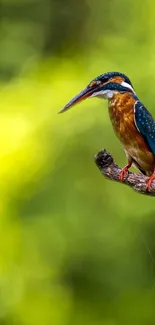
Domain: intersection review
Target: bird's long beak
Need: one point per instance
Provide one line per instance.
(87, 92)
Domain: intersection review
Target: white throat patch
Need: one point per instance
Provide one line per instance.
(106, 94)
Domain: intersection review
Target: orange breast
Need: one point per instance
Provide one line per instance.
(121, 111)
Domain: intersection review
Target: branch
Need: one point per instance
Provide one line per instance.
(109, 169)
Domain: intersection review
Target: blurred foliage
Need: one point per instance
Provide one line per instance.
(75, 248)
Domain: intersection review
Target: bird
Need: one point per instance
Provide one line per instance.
(133, 124)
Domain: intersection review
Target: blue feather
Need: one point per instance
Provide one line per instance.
(145, 124)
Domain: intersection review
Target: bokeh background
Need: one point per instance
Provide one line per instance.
(75, 248)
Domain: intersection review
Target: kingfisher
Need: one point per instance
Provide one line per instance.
(132, 123)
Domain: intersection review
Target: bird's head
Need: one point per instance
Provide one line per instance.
(103, 86)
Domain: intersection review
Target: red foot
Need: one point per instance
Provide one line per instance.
(149, 182)
(123, 172)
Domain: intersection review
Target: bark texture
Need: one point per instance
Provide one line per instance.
(109, 169)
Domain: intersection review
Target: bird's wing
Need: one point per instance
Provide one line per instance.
(145, 124)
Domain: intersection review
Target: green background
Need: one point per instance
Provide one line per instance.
(75, 248)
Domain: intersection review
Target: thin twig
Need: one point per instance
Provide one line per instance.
(109, 169)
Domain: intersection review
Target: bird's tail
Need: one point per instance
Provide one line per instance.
(139, 167)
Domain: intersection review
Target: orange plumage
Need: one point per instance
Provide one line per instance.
(121, 111)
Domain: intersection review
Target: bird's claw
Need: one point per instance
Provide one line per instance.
(122, 173)
(149, 182)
